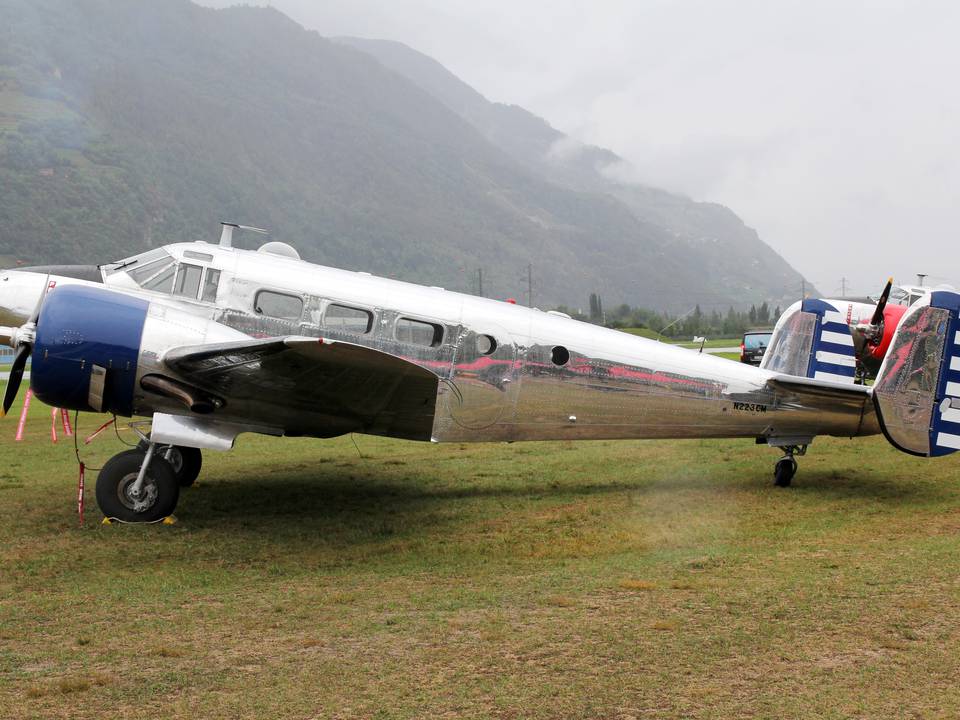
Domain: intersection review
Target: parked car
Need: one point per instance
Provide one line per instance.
(754, 345)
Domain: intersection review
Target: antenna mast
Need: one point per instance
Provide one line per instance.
(226, 235)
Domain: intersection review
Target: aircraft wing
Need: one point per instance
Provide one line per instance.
(309, 385)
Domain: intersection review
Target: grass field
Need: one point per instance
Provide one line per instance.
(545, 580)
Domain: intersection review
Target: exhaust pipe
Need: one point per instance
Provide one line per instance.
(193, 399)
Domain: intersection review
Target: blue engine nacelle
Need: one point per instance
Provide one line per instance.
(81, 327)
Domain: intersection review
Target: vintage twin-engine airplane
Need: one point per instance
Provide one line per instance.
(210, 341)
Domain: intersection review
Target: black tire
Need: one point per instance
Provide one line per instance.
(185, 461)
(120, 472)
(784, 471)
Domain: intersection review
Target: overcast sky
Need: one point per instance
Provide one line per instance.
(830, 127)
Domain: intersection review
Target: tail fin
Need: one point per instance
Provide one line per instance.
(812, 339)
(917, 393)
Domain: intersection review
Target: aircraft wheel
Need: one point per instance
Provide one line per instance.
(159, 494)
(785, 469)
(185, 461)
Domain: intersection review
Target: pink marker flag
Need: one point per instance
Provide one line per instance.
(23, 414)
(80, 492)
(65, 422)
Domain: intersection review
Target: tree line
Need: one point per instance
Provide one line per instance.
(695, 322)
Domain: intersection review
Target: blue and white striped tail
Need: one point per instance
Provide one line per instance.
(832, 354)
(917, 393)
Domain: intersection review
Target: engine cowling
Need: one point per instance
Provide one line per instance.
(82, 327)
(892, 314)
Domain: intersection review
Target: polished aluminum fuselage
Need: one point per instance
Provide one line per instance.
(614, 385)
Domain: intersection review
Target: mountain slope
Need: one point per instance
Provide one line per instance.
(125, 125)
(711, 235)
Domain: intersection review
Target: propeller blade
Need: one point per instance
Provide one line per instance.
(20, 359)
(881, 304)
(43, 296)
(16, 375)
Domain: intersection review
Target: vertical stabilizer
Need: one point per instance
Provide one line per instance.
(917, 393)
(812, 339)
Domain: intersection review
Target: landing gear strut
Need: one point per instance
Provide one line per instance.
(786, 466)
(185, 461)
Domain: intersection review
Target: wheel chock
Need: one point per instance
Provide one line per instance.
(169, 520)
(106, 521)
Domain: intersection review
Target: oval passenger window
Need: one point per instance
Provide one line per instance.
(486, 344)
(560, 355)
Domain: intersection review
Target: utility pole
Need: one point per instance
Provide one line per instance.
(803, 289)
(843, 287)
(480, 280)
(529, 285)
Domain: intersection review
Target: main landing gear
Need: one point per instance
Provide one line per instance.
(143, 484)
(786, 466)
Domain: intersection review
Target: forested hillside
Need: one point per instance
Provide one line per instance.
(129, 124)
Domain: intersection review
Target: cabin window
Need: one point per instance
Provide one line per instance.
(560, 355)
(278, 305)
(486, 344)
(188, 281)
(348, 319)
(418, 332)
(210, 285)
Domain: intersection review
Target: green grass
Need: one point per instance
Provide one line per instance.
(543, 580)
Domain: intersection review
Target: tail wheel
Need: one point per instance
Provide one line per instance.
(115, 485)
(784, 471)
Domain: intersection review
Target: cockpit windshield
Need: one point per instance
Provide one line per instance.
(156, 275)
(159, 271)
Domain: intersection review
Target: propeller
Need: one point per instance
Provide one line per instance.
(881, 305)
(21, 338)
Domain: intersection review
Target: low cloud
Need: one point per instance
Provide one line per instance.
(830, 127)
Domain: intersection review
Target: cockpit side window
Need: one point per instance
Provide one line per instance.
(210, 284)
(188, 281)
